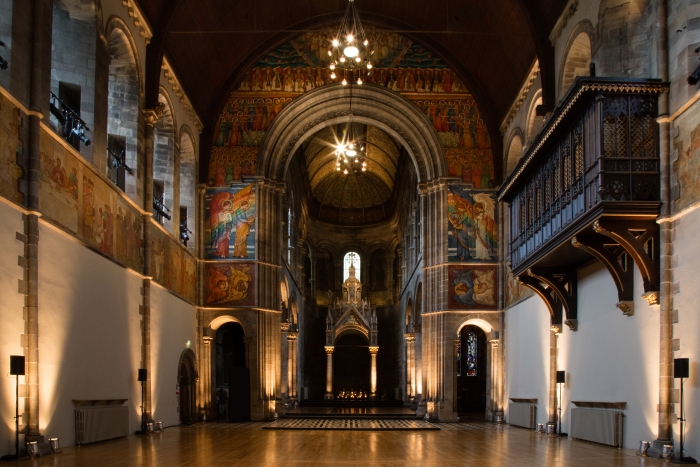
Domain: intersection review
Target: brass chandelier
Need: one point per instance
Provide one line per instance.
(350, 153)
(350, 53)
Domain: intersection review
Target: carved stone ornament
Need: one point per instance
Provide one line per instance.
(572, 323)
(556, 329)
(627, 307)
(652, 298)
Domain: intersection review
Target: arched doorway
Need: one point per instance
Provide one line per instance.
(351, 364)
(471, 371)
(232, 374)
(186, 380)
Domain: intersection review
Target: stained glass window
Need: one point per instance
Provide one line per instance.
(351, 258)
(471, 354)
(459, 359)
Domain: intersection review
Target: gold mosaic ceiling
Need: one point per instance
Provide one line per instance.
(356, 198)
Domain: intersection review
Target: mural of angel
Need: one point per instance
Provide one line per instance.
(230, 284)
(473, 233)
(231, 218)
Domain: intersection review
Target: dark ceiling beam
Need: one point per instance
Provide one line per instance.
(155, 51)
(544, 49)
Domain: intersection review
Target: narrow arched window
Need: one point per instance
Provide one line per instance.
(471, 353)
(351, 259)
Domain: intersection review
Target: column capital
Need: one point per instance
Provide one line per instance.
(284, 327)
(555, 328)
(151, 116)
(373, 350)
(410, 337)
(207, 340)
(329, 349)
(292, 335)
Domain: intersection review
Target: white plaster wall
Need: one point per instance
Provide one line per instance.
(526, 353)
(687, 301)
(89, 332)
(11, 321)
(612, 357)
(173, 323)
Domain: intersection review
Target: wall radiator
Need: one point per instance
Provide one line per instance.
(521, 414)
(599, 426)
(100, 423)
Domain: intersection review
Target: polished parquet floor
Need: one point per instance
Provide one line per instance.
(229, 445)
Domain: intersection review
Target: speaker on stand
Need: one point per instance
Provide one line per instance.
(681, 369)
(17, 365)
(142, 376)
(561, 379)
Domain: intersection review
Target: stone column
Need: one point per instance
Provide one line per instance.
(495, 406)
(312, 279)
(284, 358)
(205, 378)
(292, 364)
(400, 274)
(389, 277)
(329, 372)
(150, 119)
(410, 365)
(553, 364)
(373, 373)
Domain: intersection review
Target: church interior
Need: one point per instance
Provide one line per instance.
(429, 231)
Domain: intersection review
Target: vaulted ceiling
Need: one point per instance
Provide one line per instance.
(490, 44)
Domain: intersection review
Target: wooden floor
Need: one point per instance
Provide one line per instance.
(224, 445)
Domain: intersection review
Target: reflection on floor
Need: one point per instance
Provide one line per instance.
(238, 445)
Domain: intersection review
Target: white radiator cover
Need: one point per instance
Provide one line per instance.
(100, 423)
(599, 426)
(522, 414)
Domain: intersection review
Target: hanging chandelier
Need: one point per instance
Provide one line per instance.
(350, 54)
(350, 153)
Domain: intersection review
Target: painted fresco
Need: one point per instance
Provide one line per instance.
(515, 291)
(59, 184)
(98, 213)
(129, 238)
(159, 254)
(230, 284)
(472, 288)
(229, 229)
(687, 169)
(301, 65)
(10, 147)
(472, 229)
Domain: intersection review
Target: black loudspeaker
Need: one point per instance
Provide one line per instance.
(681, 368)
(17, 365)
(561, 377)
(142, 374)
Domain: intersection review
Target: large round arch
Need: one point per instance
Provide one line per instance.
(368, 104)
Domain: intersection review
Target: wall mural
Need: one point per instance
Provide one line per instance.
(301, 65)
(10, 148)
(515, 291)
(171, 266)
(230, 284)
(76, 199)
(687, 168)
(472, 287)
(472, 229)
(229, 229)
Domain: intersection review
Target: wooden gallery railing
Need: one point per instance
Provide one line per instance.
(589, 185)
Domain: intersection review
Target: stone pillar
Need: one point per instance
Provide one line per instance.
(329, 372)
(400, 275)
(292, 364)
(410, 365)
(495, 407)
(373, 373)
(312, 279)
(284, 358)
(553, 365)
(389, 276)
(150, 118)
(205, 386)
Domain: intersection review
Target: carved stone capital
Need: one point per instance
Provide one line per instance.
(329, 349)
(555, 328)
(572, 323)
(627, 307)
(652, 297)
(292, 335)
(410, 337)
(150, 117)
(373, 350)
(284, 327)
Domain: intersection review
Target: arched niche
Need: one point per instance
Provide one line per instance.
(534, 122)
(188, 189)
(164, 163)
(515, 151)
(481, 323)
(577, 57)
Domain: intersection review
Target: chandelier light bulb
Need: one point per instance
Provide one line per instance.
(332, 75)
(351, 153)
(345, 171)
(351, 51)
(369, 65)
(330, 54)
(344, 82)
(359, 80)
(332, 66)
(364, 169)
(342, 59)
(337, 169)
(335, 42)
(350, 38)
(365, 43)
(358, 59)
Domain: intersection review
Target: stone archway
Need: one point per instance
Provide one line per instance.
(187, 383)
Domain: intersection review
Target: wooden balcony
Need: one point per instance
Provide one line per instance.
(589, 186)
